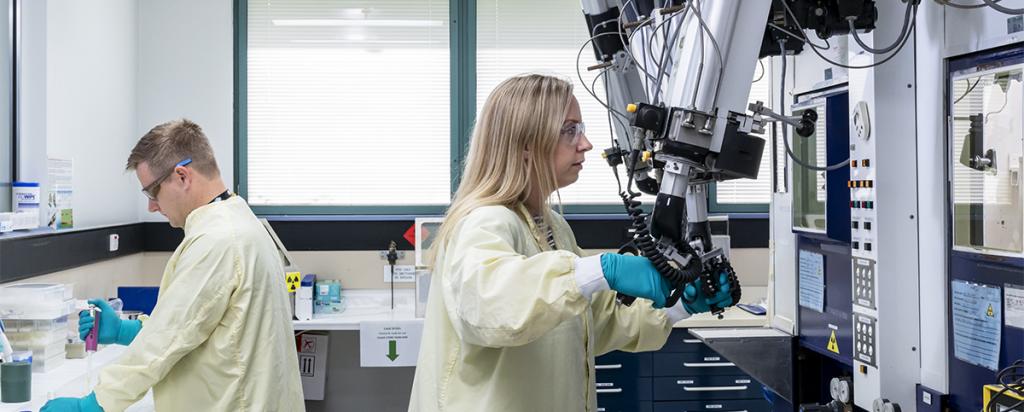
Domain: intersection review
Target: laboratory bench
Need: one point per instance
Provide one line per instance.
(72, 379)
(375, 305)
(685, 375)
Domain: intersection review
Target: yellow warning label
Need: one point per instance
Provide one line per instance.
(991, 313)
(833, 346)
(293, 279)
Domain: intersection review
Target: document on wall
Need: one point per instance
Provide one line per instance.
(812, 280)
(389, 343)
(59, 211)
(1013, 301)
(977, 323)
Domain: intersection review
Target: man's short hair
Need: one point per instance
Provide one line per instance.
(169, 143)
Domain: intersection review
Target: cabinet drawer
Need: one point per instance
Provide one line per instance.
(699, 388)
(623, 389)
(624, 406)
(693, 363)
(682, 341)
(743, 405)
(623, 363)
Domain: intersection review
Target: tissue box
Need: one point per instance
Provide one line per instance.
(304, 298)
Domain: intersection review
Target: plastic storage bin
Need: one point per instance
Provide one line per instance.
(44, 365)
(35, 301)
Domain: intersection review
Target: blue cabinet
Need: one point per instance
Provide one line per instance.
(684, 375)
(749, 405)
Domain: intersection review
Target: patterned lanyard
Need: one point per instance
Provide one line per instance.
(225, 195)
(544, 227)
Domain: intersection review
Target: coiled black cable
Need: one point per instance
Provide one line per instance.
(645, 244)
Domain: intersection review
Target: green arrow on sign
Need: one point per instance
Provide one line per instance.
(392, 350)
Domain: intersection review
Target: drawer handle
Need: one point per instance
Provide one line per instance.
(616, 390)
(708, 364)
(712, 388)
(691, 340)
(615, 366)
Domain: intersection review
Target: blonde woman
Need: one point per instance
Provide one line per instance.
(515, 315)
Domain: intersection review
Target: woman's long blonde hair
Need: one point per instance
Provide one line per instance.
(512, 148)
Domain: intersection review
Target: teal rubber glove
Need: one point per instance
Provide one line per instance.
(86, 404)
(635, 276)
(112, 328)
(701, 303)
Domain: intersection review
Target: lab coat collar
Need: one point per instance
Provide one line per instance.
(195, 220)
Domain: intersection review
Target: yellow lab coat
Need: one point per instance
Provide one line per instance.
(509, 329)
(220, 337)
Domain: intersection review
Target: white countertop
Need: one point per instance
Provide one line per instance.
(364, 305)
(733, 317)
(375, 305)
(70, 380)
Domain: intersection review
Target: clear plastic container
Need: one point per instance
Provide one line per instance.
(35, 301)
(45, 351)
(36, 325)
(35, 339)
(34, 291)
(44, 365)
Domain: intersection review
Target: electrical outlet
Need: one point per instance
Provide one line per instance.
(114, 242)
(861, 122)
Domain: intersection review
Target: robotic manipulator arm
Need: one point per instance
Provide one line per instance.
(682, 74)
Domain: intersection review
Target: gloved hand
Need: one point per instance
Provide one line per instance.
(635, 276)
(112, 328)
(86, 404)
(695, 301)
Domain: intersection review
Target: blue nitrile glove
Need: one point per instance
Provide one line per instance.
(86, 404)
(635, 276)
(112, 328)
(700, 303)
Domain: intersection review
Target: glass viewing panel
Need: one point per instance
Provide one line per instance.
(987, 156)
(809, 185)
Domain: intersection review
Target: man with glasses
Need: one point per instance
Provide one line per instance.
(220, 337)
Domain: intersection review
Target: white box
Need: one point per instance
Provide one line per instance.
(26, 220)
(304, 298)
(313, 364)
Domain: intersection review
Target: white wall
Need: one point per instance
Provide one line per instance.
(186, 69)
(90, 103)
(96, 76)
(78, 101)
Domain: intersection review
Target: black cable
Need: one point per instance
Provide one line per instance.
(760, 63)
(662, 74)
(785, 128)
(1016, 387)
(645, 243)
(611, 130)
(718, 51)
(845, 66)
(969, 90)
(961, 6)
(1003, 9)
(627, 41)
(804, 40)
(899, 39)
(1006, 99)
(579, 74)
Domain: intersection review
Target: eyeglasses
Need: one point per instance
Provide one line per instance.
(153, 189)
(572, 132)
